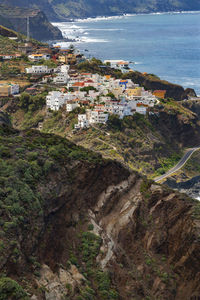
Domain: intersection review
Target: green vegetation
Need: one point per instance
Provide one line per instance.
(26, 160)
(7, 46)
(192, 166)
(32, 103)
(7, 70)
(176, 107)
(87, 89)
(168, 163)
(10, 289)
(96, 66)
(144, 188)
(98, 283)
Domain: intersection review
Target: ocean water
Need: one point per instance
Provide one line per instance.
(166, 44)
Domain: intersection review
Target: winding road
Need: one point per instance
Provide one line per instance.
(179, 165)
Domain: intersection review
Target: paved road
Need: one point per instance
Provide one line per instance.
(179, 165)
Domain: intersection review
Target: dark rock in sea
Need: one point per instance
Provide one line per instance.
(190, 187)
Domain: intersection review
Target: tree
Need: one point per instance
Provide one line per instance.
(24, 101)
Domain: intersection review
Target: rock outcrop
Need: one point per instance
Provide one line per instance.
(40, 28)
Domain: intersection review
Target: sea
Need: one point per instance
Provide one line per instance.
(165, 44)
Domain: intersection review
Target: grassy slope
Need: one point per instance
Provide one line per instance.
(135, 141)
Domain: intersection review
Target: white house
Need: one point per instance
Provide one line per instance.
(97, 116)
(64, 69)
(119, 109)
(55, 100)
(38, 70)
(61, 78)
(14, 89)
(71, 106)
(119, 64)
(82, 122)
(141, 109)
(37, 57)
(6, 56)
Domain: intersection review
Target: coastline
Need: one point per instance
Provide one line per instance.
(96, 34)
(107, 17)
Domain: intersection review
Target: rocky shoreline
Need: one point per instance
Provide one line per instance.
(190, 187)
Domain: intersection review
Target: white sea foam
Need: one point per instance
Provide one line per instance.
(106, 29)
(96, 19)
(103, 18)
(91, 40)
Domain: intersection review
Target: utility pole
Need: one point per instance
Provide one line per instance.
(28, 29)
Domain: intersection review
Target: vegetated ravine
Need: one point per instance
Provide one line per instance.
(76, 226)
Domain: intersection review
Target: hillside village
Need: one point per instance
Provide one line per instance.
(100, 95)
(70, 81)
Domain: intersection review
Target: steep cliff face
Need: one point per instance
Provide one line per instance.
(177, 128)
(79, 227)
(40, 28)
(193, 105)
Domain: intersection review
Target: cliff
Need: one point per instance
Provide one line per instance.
(64, 10)
(76, 226)
(40, 28)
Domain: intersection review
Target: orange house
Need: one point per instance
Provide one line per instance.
(159, 93)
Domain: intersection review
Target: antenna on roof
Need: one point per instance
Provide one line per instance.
(28, 29)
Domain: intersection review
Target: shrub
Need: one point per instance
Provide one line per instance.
(10, 289)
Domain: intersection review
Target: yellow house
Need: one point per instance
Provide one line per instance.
(117, 92)
(71, 58)
(134, 92)
(62, 58)
(5, 90)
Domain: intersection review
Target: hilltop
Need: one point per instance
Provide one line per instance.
(64, 10)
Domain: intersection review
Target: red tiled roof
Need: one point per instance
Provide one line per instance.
(78, 84)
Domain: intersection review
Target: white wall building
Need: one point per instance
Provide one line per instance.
(55, 100)
(82, 122)
(64, 68)
(38, 70)
(38, 57)
(141, 110)
(119, 109)
(96, 116)
(71, 106)
(14, 89)
(61, 78)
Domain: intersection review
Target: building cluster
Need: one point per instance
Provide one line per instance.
(118, 64)
(101, 96)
